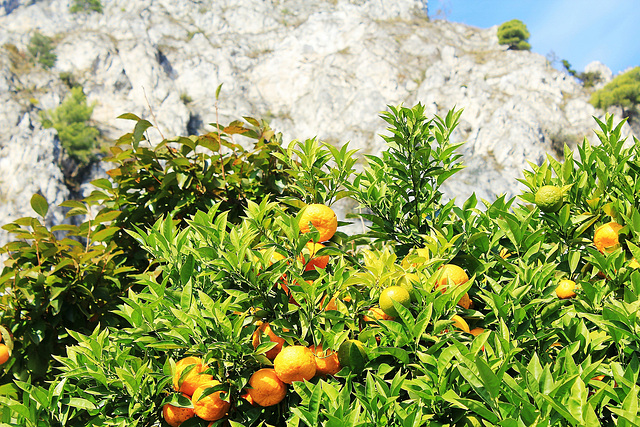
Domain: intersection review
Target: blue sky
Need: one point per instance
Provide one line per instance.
(579, 31)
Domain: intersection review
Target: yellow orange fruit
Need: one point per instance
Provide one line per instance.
(453, 273)
(465, 301)
(566, 289)
(264, 328)
(246, 396)
(174, 415)
(331, 305)
(5, 353)
(311, 260)
(406, 281)
(634, 263)
(210, 407)
(476, 331)
(376, 313)
(295, 363)
(605, 238)
(327, 363)
(193, 378)
(266, 388)
(394, 293)
(322, 217)
(460, 323)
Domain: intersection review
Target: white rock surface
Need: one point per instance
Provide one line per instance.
(314, 67)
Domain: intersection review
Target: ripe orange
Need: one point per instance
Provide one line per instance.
(476, 331)
(326, 362)
(376, 313)
(174, 415)
(311, 261)
(453, 273)
(606, 237)
(266, 388)
(331, 305)
(295, 363)
(322, 217)
(565, 289)
(211, 407)
(193, 378)
(460, 323)
(465, 301)
(5, 353)
(394, 293)
(246, 396)
(266, 329)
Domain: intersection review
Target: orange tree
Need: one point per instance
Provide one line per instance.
(71, 276)
(530, 358)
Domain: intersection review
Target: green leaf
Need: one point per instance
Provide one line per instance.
(39, 205)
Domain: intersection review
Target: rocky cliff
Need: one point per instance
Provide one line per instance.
(313, 67)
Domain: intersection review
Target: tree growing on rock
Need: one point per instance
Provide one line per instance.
(623, 91)
(514, 34)
(72, 121)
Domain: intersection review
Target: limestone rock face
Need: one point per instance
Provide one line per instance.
(323, 68)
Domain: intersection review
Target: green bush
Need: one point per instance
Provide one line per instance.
(72, 121)
(514, 34)
(71, 282)
(41, 48)
(588, 79)
(623, 91)
(538, 360)
(86, 6)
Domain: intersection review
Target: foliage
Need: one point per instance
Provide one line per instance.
(86, 6)
(182, 175)
(53, 284)
(41, 48)
(623, 91)
(540, 361)
(72, 121)
(402, 188)
(588, 78)
(514, 34)
(71, 277)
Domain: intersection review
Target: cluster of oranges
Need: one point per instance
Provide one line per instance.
(550, 199)
(267, 386)
(190, 380)
(606, 239)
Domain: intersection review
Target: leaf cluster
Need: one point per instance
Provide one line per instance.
(623, 91)
(86, 6)
(538, 361)
(514, 34)
(41, 48)
(72, 120)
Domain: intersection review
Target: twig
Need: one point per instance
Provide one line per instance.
(152, 114)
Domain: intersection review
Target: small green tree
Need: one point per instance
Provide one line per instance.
(41, 48)
(86, 6)
(71, 120)
(588, 78)
(514, 33)
(623, 91)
